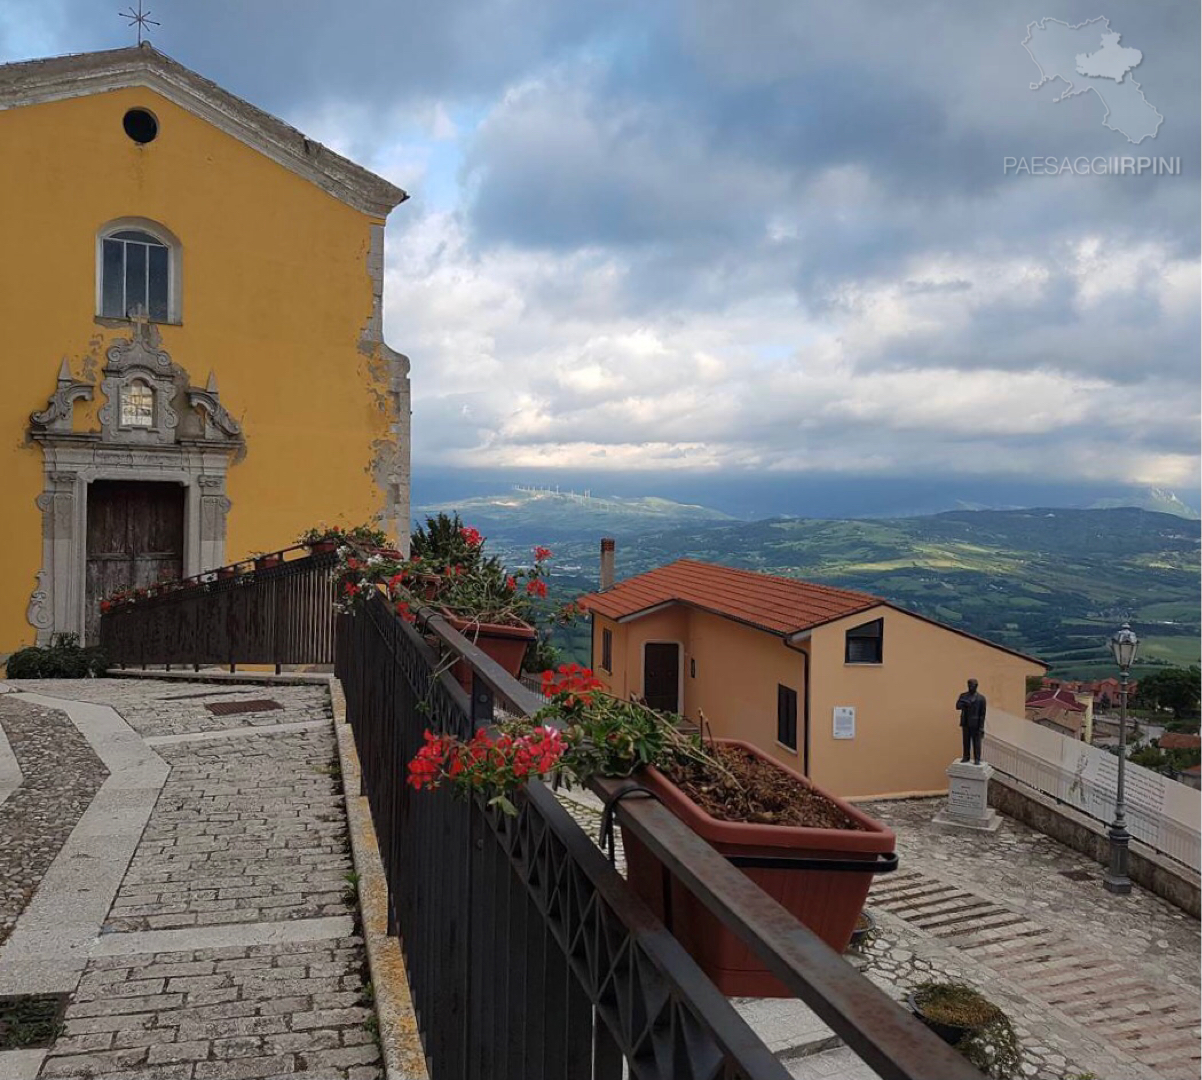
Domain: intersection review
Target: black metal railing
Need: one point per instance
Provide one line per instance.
(276, 609)
(528, 955)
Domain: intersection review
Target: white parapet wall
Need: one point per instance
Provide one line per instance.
(1162, 813)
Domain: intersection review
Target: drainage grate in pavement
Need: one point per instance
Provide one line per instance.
(203, 693)
(31, 1020)
(230, 708)
(1077, 875)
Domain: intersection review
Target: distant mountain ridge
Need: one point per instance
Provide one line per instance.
(551, 511)
(1157, 499)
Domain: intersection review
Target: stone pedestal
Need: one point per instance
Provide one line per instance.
(968, 798)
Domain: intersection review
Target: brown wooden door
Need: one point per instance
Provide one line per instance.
(661, 675)
(135, 537)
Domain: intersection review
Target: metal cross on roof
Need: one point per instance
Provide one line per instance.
(141, 19)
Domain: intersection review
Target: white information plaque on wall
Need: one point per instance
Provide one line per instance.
(845, 721)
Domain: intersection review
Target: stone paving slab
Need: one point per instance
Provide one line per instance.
(48, 947)
(10, 768)
(57, 775)
(232, 949)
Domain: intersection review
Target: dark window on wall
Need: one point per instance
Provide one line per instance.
(865, 643)
(607, 651)
(135, 269)
(786, 717)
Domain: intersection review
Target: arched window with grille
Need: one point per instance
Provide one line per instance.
(138, 271)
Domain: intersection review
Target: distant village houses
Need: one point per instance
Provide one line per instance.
(1063, 711)
(1105, 692)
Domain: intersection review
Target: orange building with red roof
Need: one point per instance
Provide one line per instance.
(841, 685)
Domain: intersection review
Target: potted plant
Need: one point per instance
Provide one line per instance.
(492, 608)
(264, 560)
(226, 572)
(974, 1025)
(449, 571)
(322, 539)
(744, 803)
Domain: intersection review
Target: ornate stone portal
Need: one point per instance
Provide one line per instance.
(154, 426)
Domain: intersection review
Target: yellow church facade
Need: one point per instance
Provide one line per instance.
(193, 366)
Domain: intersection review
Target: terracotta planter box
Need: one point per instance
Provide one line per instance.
(426, 586)
(227, 572)
(827, 901)
(264, 562)
(504, 644)
(322, 547)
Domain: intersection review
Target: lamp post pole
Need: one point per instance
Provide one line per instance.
(1115, 880)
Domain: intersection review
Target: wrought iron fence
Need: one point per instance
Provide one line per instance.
(272, 610)
(528, 955)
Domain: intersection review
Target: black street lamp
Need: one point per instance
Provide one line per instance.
(1123, 645)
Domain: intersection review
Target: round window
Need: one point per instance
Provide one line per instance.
(140, 125)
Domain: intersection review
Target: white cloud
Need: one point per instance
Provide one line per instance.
(559, 381)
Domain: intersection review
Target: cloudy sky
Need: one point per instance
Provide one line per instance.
(745, 237)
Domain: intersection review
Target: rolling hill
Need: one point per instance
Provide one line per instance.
(1051, 582)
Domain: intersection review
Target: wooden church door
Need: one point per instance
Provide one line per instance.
(135, 537)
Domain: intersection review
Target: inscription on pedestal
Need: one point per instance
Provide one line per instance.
(968, 798)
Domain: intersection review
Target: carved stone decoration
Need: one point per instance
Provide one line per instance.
(217, 421)
(186, 437)
(39, 613)
(132, 364)
(58, 414)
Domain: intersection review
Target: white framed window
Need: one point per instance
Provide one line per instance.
(137, 404)
(137, 270)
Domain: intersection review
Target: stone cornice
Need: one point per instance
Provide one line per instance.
(31, 82)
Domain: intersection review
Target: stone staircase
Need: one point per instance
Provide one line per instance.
(1136, 1012)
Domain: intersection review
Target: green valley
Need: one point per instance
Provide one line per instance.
(1051, 582)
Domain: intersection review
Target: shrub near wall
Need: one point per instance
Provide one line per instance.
(64, 658)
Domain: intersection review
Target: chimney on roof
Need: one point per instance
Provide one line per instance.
(607, 563)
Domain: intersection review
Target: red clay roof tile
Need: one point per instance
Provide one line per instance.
(1179, 740)
(776, 604)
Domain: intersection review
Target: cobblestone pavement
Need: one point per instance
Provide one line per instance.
(156, 708)
(220, 1014)
(245, 829)
(59, 776)
(190, 979)
(1093, 982)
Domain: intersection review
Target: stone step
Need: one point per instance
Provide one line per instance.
(948, 906)
(926, 892)
(1116, 1007)
(1037, 943)
(897, 879)
(1002, 921)
(965, 912)
(1071, 990)
(1067, 970)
